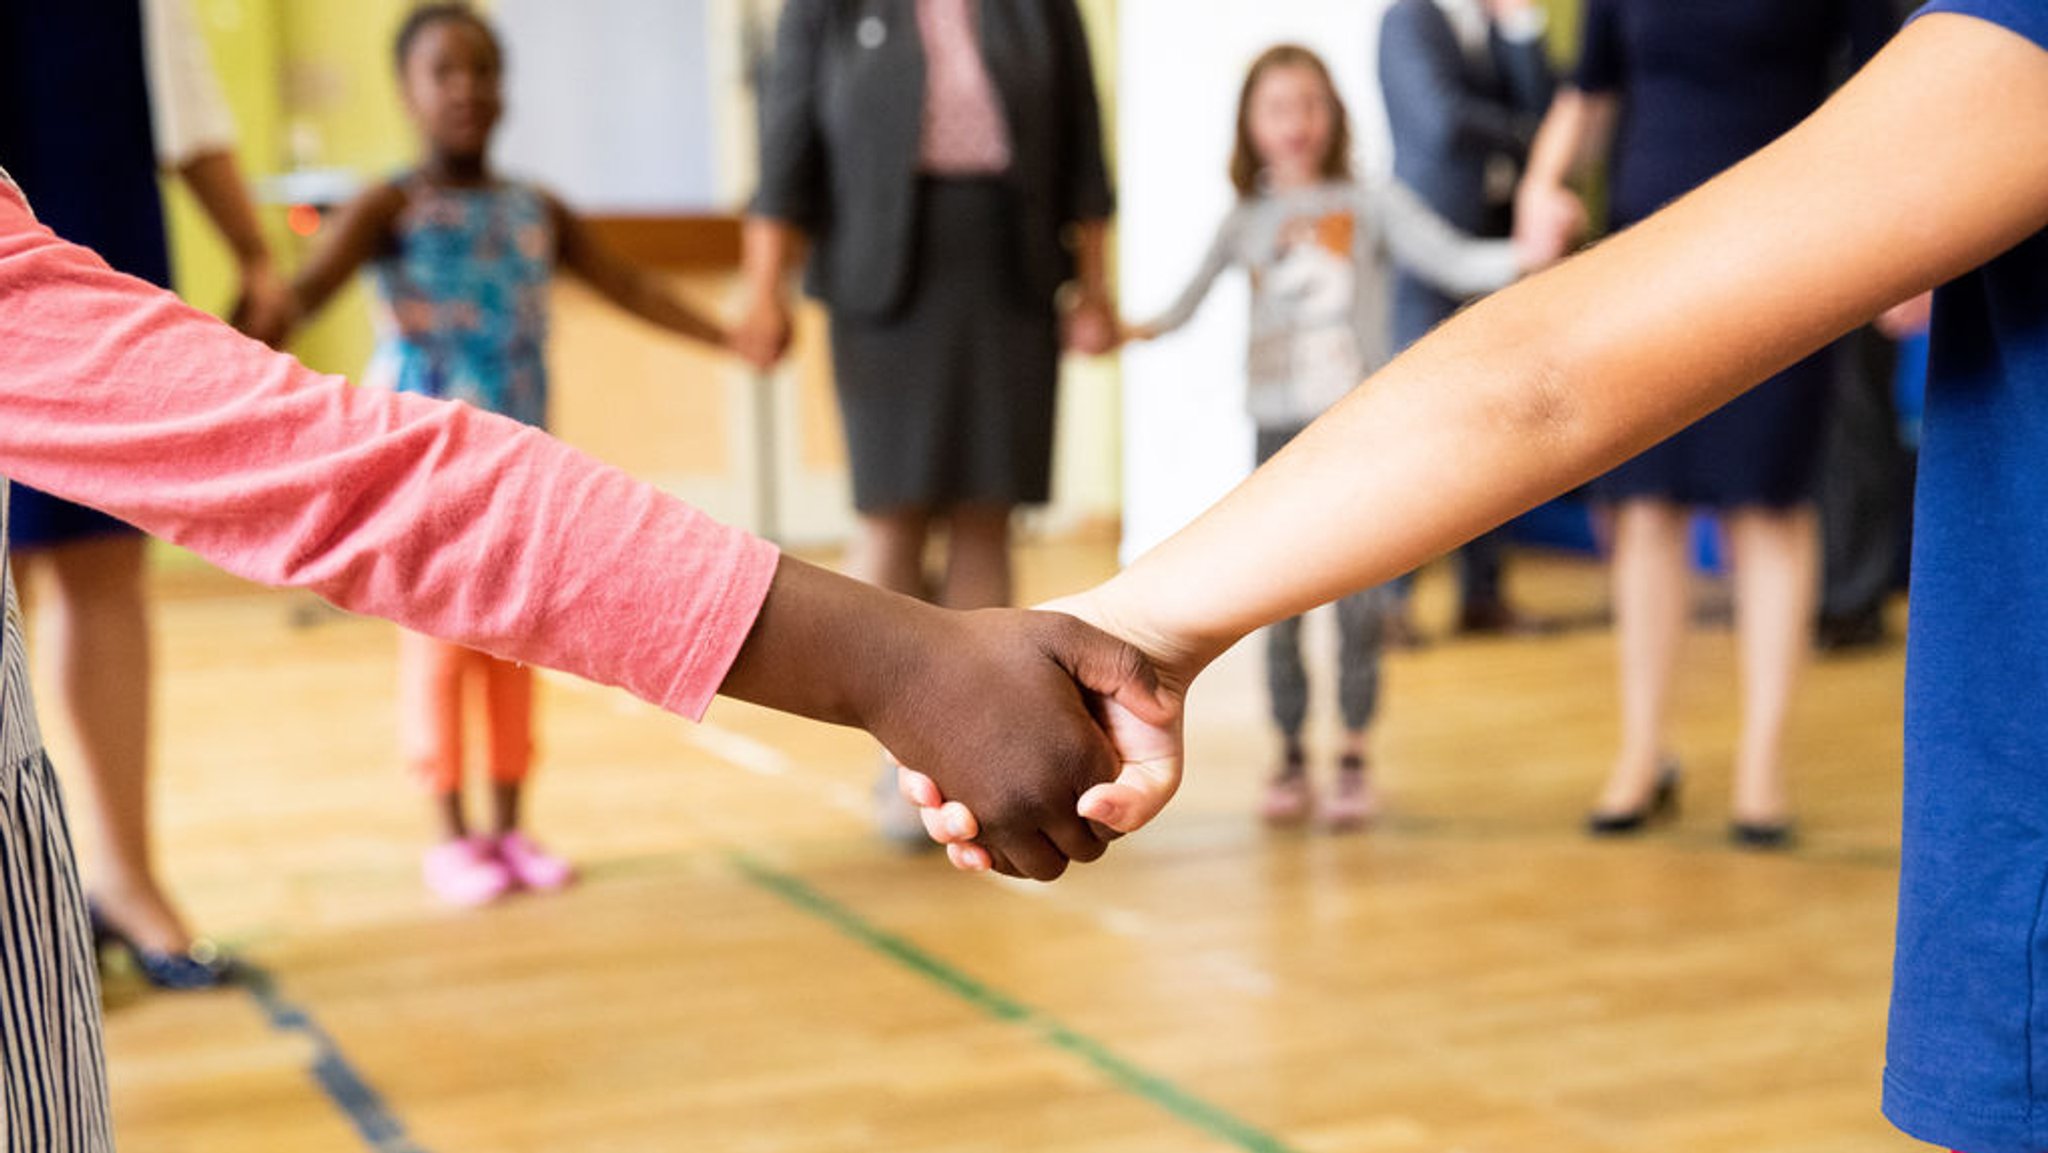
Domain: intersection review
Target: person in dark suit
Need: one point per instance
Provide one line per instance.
(1466, 85)
(942, 162)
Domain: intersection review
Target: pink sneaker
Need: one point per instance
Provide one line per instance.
(1352, 802)
(1287, 800)
(531, 866)
(466, 873)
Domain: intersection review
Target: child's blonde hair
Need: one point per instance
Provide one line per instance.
(1244, 159)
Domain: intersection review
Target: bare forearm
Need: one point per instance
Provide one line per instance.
(1576, 131)
(823, 645)
(1091, 264)
(769, 249)
(1547, 384)
(216, 182)
(643, 294)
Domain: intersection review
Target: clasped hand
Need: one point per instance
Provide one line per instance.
(1054, 794)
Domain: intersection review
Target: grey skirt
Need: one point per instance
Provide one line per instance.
(948, 400)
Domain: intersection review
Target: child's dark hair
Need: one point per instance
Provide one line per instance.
(1244, 159)
(425, 16)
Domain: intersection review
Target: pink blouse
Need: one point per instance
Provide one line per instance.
(964, 133)
(446, 519)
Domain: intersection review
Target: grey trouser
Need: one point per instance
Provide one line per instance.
(1361, 629)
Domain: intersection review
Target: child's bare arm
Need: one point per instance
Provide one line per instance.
(633, 288)
(1928, 164)
(359, 231)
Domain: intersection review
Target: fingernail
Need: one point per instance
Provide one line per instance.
(957, 825)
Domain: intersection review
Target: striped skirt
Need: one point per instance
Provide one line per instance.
(53, 1083)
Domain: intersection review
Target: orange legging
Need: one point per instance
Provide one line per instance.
(431, 677)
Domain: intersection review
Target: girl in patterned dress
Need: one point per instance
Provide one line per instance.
(460, 262)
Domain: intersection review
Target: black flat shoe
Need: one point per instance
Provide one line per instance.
(203, 966)
(1761, 836)
(1662, 805)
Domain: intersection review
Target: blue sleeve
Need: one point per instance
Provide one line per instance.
(2029, 18)
(1600, 48)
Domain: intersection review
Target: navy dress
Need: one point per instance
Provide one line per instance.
(75, 135)
(1701, 85)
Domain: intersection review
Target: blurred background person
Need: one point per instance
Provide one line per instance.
(462, 262)
(95, 98)
(940, 163)
(1320, 248)
(1466, 83)
(1670, 95)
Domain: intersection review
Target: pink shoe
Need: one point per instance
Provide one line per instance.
(1352, 802)
(1287, 799)
(531, 866)
(466, 873)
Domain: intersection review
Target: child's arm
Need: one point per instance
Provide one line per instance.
(628, 285)
(1222, 252)
(359, 231)
(1931, 162)
(1455, 263)
(476, 528)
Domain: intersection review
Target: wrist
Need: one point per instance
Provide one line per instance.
(767, 292)
(828, 647)
(1080, 294)
(1119, 607)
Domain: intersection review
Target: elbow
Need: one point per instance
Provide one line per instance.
(1535, 407)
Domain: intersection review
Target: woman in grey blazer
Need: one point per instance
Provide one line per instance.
(941, 161)
(945, 194)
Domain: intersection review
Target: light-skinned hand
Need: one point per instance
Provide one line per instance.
(763, 333)
(1143, 723)
(1091, 326)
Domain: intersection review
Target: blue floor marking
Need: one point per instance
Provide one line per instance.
(366, 1111)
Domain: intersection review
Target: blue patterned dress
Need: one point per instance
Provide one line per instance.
(462, 298)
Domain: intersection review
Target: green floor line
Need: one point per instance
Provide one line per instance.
(1151, 1087)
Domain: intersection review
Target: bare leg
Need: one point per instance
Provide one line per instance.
(977, 557)
(1777, 575)
(450, 822)
(888, 551)
(1355, 744)
(95, 637)
(1650, 598)
(508, 700)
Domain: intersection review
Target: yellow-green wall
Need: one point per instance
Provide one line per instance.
(243, 37)
(310, 84)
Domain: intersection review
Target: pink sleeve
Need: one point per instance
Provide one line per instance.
(443, 518)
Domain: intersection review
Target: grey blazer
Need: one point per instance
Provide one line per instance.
(842, 110)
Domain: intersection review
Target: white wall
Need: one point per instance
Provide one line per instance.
(1186, 440)
(610, 103)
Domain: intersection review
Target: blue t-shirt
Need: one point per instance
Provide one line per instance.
(1969, 1024)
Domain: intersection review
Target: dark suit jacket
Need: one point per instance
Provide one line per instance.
(842, 110)
(1449, 118)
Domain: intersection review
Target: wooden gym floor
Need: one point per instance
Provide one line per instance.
(745, 970)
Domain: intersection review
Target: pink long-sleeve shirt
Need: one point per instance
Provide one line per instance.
(446, 519)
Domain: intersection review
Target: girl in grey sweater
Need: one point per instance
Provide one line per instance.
(1320, 247)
